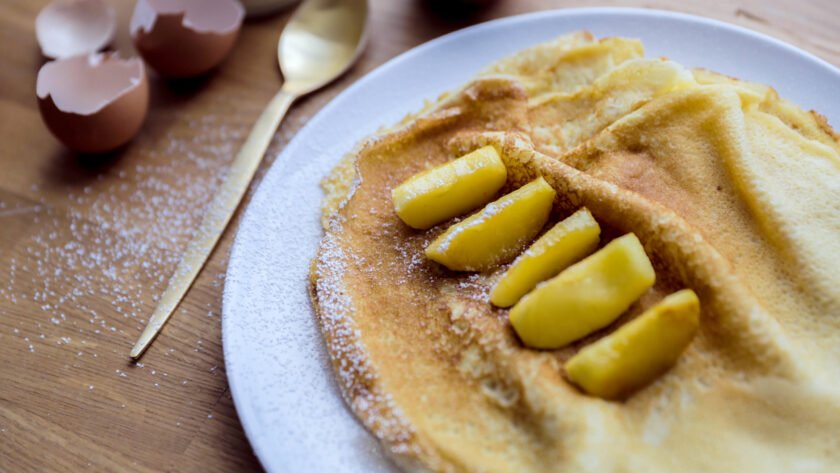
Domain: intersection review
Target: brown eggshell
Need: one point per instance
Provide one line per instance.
(69, 28)
(185, 38)
(93, 103)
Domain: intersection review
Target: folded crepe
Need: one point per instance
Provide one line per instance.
(734, 192)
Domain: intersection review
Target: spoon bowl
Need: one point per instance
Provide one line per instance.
(322, 40)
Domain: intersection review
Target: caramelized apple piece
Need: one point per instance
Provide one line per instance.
(635, 354)
(566, 243)
(585, 297)
(451, 189)
(495, 234)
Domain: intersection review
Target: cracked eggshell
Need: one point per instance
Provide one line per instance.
(185, 38)
(69, 28)
(93, 103)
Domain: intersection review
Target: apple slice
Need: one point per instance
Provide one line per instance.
(567, 242)
(585, 297)
(449, 190)
(635, 354)
(498, 232)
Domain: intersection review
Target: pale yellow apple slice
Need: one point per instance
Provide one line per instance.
(567, 242)
(638, 352)
(498, 232)
(585, 297)
(451, 189)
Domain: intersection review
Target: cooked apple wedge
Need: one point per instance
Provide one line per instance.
(635, 354)
(567, 242)
(449, 190)
(495, 234)
(585, 297)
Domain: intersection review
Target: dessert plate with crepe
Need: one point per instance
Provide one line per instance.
(598, 240)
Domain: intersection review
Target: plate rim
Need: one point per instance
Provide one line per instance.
(249, 424)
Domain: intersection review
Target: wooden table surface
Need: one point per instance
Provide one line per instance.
(87, 245)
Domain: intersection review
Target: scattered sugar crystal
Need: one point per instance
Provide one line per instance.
(117, 236)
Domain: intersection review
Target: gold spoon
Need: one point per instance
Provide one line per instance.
(322, 39)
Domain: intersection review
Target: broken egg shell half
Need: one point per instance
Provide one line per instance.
(69, 28)
(93, 103)
(185, 38)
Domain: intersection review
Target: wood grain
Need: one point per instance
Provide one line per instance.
(86, 245)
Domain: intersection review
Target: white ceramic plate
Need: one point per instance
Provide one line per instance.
(278, 370)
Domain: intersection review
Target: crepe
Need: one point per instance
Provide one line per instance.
(734, 192)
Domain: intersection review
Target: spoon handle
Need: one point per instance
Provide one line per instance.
(217, 216)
